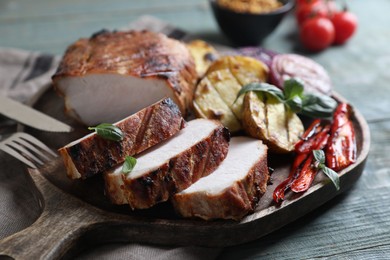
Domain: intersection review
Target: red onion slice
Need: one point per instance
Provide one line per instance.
(313, 75)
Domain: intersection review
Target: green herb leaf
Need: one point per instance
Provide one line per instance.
(108, 131)
(333, 176)
(318, 106)
(293, 89)
(295, 104)
(319, 156)
(261, 87)
(293, 96)
(129, 164)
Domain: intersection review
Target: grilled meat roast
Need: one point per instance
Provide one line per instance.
(111, 75)
(171, 166)
(152, 78)
(233, 189)
(92, 154)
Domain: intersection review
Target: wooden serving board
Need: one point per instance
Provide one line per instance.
(76, 213)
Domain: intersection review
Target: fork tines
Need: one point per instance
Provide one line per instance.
(27, 149)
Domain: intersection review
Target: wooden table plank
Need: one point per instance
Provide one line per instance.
(54, 33)
(12, 11)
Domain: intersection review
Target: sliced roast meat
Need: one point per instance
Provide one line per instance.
(233, 189)
(113, 74)
(170, 167)
(93, 154)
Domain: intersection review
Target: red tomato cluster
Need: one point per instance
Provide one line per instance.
(322, 24)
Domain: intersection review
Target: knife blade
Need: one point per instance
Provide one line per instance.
(31, 117)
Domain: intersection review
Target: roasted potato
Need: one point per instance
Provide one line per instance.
(245, 69)
(216, 92)
(204, 54)
(227, 86)
(209, 103)
(266, 118)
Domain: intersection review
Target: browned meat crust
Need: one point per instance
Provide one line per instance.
(141, 54)
(146, 128)
(233, 203)
(176, 174)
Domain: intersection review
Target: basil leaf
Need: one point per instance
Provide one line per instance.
(292, 89)
(319, 156)
(295, 104)
(129, 164)
(108, 131)
(311, 104)
(262, 87)
(318, 106)
(333, 176)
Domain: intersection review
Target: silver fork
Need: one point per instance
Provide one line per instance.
(27, 149)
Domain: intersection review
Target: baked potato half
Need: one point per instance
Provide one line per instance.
(265, 117)
(215, 95)
(208, 103)
(245, 69)
(204, 54)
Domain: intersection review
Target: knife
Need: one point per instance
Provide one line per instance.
(28, 116)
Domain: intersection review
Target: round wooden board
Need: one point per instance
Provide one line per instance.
(82, 215)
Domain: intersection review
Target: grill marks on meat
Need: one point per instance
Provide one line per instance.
(171, 166)
(234, 189)
(158, 60)
(131, 52)
(92, 154)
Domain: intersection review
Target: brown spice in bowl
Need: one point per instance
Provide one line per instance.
(250, 6)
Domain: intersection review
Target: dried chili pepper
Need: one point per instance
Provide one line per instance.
(279, 191)
(303, 148)
(313, 129)
(309, 169)
(341, 147)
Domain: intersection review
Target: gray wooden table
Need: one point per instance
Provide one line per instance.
(355, 225)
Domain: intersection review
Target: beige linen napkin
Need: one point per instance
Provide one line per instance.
(24, 75)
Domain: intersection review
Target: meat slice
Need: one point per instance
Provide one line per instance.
(233, 190)
(110, 75)
(171, 166)
(92, 154)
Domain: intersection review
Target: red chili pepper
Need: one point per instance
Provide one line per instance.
(306, 176)
(279, 191)
(311, 139)
(338, 140)
(309, 169)
(302, 145)
(341, 147)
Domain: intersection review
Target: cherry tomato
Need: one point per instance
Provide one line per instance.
(313, 9)
(331, 7)
(309, 10)
(317, 33)
(306, 2)
(345, 24)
